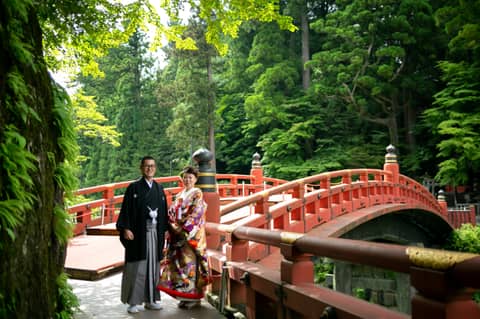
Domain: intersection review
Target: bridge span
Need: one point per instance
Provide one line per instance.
(264, 234)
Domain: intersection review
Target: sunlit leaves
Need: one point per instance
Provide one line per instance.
(466, 239)
(90, 123)
(75, 33)
(78, 32)
(224, 19)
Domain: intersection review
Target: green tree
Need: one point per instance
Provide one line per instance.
(193, 110)
(126, 94)
(454, 118)
(265, 108)
(376, 59)
(234, 148)
(258, 78)
(90, 123)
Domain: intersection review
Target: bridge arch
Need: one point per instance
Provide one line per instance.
(392, 223)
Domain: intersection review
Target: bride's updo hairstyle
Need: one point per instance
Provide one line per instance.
(189, 170)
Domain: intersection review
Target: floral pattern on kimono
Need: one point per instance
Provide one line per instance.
(185, 270)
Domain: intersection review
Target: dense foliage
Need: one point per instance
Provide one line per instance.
(455, 115)
(466, 239)
(381, 72)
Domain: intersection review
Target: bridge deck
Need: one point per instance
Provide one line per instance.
(91, 257)
(99, 253)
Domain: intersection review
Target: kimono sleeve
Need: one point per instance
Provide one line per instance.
(124, 218)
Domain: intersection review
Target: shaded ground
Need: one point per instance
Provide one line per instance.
(101, 300)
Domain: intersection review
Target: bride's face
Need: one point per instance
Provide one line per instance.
(189, 180)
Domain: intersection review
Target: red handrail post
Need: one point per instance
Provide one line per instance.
(297, 213)
(84, 217)
(295, 268)
(439, 297)
(347, 194)
(108, 196)
(257, 172)
(392, 166)
(261, 207)
(237, 250)
(325, 212)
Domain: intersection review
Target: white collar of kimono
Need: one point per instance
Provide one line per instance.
(149, 183)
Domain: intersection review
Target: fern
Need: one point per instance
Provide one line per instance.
(63, 228)
(18, 164)
(67, 301)
(20, 90)
(65, 171)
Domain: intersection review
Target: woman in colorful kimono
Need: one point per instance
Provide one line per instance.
(185, 268)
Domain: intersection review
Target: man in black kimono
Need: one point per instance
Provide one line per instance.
(142, 224)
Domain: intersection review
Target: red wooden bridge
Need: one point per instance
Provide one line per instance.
(263, 233)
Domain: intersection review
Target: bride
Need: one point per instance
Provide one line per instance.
(185, 271)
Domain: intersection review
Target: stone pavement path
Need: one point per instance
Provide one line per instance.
(101, 300)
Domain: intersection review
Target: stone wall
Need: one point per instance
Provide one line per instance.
(376, 285)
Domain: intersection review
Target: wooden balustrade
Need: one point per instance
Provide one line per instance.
(104, 205)
(302, 204)
(444, 280)
(458, 217)
(235, 185)
(296, 206)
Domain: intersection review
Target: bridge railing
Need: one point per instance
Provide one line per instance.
(305, 203)
(443, 280)
(462, 214)
(102, 202)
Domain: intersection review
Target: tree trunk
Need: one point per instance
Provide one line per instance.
(305, 47)
(211, 111)
(410, 117)
(30, 262)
